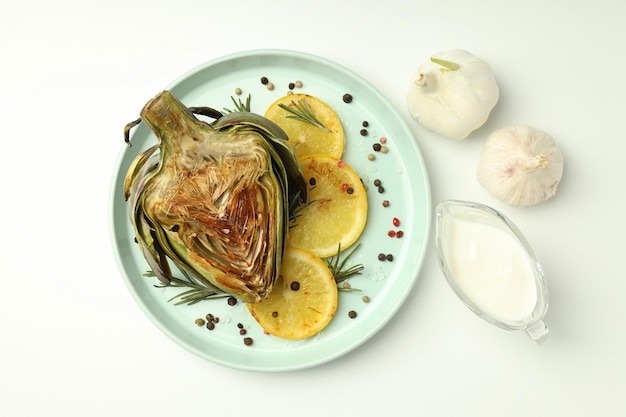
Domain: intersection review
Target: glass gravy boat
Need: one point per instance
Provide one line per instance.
(491, 267)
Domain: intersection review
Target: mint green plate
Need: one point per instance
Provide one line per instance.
(406, 187)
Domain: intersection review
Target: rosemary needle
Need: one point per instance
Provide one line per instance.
(240, 106)
(339, 270)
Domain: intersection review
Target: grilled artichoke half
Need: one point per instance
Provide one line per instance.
(213, 198)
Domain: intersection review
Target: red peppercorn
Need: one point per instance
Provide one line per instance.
(391, 233)
(399, 234)
(396, 221)
(344, 187)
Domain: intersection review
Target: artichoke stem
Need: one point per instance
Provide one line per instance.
(164, 113)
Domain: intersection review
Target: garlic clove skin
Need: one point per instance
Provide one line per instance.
(453, 101)
(520, 165)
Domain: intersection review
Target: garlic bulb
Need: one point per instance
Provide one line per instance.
(453, 94)
(520, 165)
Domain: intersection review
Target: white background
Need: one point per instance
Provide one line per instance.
(73, 341)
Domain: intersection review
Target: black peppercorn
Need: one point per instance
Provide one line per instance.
(377, 147)
(347, 98)
(264, 80)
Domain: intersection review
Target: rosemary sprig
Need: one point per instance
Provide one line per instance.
(302, 112)
(339, 270)
(196, 292)
(240, 106)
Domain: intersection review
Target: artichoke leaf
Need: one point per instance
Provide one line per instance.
(152, 250)
(138, 164)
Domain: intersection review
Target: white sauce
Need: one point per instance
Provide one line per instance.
(492, 269)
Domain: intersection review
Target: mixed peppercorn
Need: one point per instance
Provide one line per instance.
(210, 321)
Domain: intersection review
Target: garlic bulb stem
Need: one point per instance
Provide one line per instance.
(427, 83)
